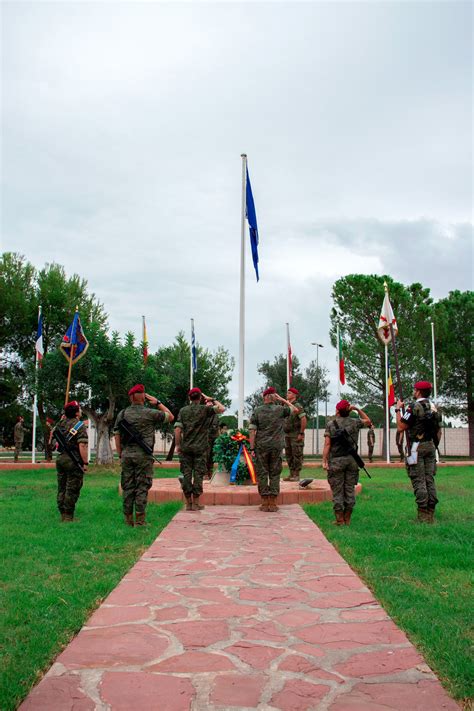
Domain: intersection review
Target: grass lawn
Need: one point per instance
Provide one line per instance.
(54, 575)
(421, 574)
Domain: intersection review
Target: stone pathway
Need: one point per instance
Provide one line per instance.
(232, 608)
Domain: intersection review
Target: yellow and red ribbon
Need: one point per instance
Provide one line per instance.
(239, 437)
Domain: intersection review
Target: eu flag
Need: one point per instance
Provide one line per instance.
(193, 347)
(74, 341)
(252, 220)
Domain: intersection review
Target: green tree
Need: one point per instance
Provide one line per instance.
(454, 328)
(357, 304)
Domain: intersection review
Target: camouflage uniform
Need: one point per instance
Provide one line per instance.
(343, 472)
(213, 434)
(70, 479)
(399, 443)
(294, 447)
(422, 473)
(18, 436)
(193, 420)
(371, 443)
(268, 420)
(137, 465)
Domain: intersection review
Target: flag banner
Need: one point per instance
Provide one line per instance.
(39, 339)
(386, 319)
(290, 364)
(145, 342)
(235, 465)
(74, 341)
(390, 388)
(193, 347)
(252, 220)
(342, 372)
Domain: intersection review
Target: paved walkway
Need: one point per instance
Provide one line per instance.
(233, 608)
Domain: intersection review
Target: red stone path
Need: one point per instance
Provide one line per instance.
(232, 608)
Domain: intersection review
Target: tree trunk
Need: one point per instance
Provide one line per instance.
(104, 454)
(169, 456)
(470, 424)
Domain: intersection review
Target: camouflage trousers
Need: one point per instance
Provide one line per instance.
(70, 481)
(268, 463)
(18, 446)
(210, 455)
(371, 451)
(193, 466)
(136, 481)
(343, 475)
(294, 453)
(422, 476)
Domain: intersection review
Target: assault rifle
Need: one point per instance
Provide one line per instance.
(351, 447)
(63, 442)
(133, 436)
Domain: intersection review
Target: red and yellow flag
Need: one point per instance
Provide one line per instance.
(145, 342)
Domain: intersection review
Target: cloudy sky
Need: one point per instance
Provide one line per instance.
(122, 129)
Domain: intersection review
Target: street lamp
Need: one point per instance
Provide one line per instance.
(318, 346)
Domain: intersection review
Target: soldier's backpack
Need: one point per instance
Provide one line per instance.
(426, 424)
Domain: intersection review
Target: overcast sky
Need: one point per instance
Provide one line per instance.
(122, 129)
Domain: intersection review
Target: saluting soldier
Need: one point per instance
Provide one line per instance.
(70, 476)
(421, 421)
(343, 472)
(18, 436)
(137, 464)
(371, 441)
(191, 432)
(267, 438)
(213, 435)
(294, 427)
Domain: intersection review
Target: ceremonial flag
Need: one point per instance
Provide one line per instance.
(390, 388)
(39, 338)
(74, 344)
(193, 348)
(252, 220)
(342, 373)
(289, 358)
(145, 342)
(386, 319)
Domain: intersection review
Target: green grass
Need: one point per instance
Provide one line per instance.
(54, 575)
(421, 574)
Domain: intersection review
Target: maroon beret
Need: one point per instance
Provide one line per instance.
(423, 385)
(73, 403)
(194, 391)
(294, 390)
(269, 391)
(50, 421)
(137, 389)
(343, 405)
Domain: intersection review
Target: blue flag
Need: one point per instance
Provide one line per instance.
(252, 220)
(74, 341)
(193, 347)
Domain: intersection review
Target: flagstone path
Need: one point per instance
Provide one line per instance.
(231, 608)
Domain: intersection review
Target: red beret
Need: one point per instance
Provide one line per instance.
(137, 389)
(423, 385)
(343, 405)
(50, 421)
(269, 391)
(73, 403)
(194, 391)
(294, 390)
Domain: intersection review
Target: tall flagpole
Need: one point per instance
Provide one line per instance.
(288, 381)
(387, 409)
(242, 295)
(435, 389)
(71, 356)
(35, 400)
(191, 370)
(338, 365)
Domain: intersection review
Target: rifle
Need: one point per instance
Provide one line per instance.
(352, 448)
(63, 442)
(134, 436)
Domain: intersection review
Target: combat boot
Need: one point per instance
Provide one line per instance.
(264, 504)
(289, 477)
(430, 516)
(129, 519)
(339, 518)
(347, 517)
(196, 505)
(189, 503)
(272, 504)
(140, 519)
(67, 517)
(423, 515)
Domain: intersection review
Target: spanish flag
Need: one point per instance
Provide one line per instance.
(145, 342)
(390, 388)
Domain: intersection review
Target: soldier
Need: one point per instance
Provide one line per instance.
(18, 436)
(371, 441)
(421, 421)
(70, 477)
(48, 439)
(399, 436)
(294, 427)
(137, 464)
(191, 432)
(343, 472)
(213, 435)
(267, 440)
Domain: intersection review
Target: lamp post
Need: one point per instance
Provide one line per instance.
(318, 346)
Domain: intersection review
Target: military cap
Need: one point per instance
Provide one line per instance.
(294, 391)
(269, 391)
(139, 388)
(194, 391)
(73, 403)
(343, 405)
(423, 385)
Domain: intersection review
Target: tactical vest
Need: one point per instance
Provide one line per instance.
(426, 425)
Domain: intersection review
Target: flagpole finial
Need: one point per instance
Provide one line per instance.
(77, 308)
(385, 286)
(243, 155)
